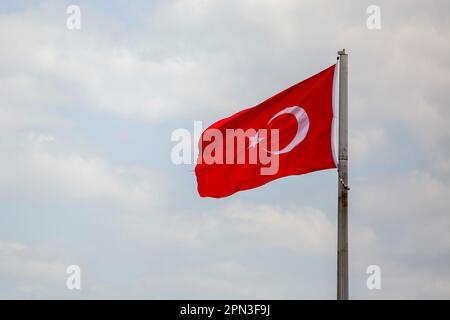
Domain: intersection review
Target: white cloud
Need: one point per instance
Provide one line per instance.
(365, 143)
(34, 169)
(408, 214)
(238, 227)
(28, 273)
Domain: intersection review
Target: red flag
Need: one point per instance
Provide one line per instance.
(288, 134)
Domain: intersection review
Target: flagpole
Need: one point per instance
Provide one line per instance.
(342, 248)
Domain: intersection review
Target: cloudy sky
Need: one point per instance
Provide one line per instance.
(86, 176)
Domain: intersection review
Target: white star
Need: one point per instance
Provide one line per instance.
(254, 140)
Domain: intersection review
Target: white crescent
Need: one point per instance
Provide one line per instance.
(302, 127)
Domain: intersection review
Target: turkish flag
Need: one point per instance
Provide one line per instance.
(288, 134)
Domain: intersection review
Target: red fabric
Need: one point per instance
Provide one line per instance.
(313, 153)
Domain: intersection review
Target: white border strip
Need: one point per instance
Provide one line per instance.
(334, 120)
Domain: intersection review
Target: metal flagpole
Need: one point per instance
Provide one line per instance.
(342, 250)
